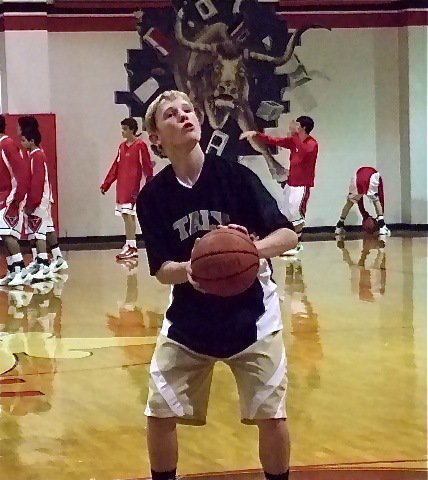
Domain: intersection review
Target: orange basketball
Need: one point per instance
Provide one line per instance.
(370, 225)
(225, 262)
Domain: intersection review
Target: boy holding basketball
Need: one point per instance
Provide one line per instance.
(366, 181)
(195, 194)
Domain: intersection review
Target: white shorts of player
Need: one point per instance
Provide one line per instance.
(9, 226)
(294, 202)
(372, 192)
(125, 208)
(38, 226)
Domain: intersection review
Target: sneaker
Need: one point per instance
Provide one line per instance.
(339, 231)
(44, 273)
(33, 267)
(7, 278)
(127, 253)
(293, 251)
(58, 265)
(22, 277)
(385, 231)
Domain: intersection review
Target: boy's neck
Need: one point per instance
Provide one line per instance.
(130, 141)
(33, 148)
(187, 165)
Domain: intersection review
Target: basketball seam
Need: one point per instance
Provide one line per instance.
(235, 274)
(232, 231)
(221, 252)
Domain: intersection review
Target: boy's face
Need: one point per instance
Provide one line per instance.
(127, 132)
(27, 144)
(177, 124)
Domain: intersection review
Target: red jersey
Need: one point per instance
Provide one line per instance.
(14, 173)
(131, 162)
(362, 177)
(303, 157)
(40, 191)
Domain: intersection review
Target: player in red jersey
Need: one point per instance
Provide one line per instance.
(301, 177)
(14, 178)
(38, 216)
(131, 163)
(366, 181)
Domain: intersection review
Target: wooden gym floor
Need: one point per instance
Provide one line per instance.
(74, 358)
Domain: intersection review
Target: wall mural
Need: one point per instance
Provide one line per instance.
(236, 60)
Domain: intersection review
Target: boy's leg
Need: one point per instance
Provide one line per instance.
(59, 262)
(12, 245)
(130, 248)
(340, 225)
(130, 228)
(179, 387)
(294, 208)
(261, 376)
(274, 448)
(163, 447)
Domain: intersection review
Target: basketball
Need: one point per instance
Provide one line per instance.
(370, 225)
(225, 262)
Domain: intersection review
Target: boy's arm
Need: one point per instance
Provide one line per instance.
(173, 273)
(111, 175)
(276, 243)
(146, 162)
(37, 183)
(19, 169)
(285, 142)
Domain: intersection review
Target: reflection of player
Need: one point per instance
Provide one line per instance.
(301, 177)
(306, 349)
(39, 312)
(366, 182)
(369, 281)
(131, 322)
(131, 162)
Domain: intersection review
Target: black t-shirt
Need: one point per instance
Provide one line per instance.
(172, 216)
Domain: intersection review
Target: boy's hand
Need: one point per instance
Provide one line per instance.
(294, 127)
(248, 135)
(190, 278)
(240, 228)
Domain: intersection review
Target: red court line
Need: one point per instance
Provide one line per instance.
(10, 381)
(27, 393)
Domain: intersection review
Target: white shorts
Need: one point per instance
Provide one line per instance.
(180, 381)
(125, 208)
(36, 227)
(373, 191)
(11, 222)
(294, 202)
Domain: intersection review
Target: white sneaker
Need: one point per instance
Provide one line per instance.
(293, 251)
(44, 273)
(33, 267)
(23, 277)
(7, 278)
(385, 231)
(58, 265)
(339, 231)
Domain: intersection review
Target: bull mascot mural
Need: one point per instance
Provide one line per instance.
(228, 56)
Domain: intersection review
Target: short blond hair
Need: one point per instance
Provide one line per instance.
(150, 118)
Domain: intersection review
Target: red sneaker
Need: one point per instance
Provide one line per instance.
(127, 253)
